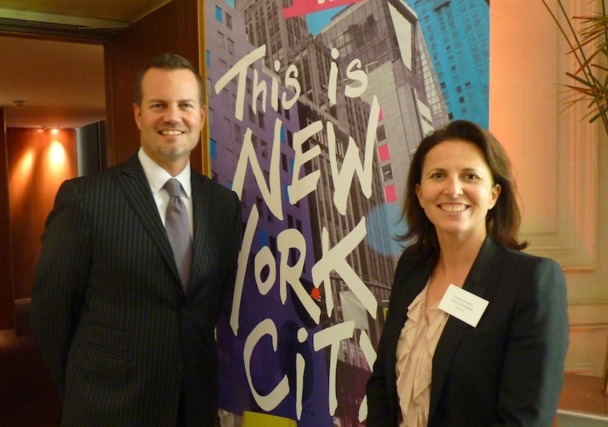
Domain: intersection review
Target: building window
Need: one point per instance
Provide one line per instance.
(381, 133)
(384, 153)
(387, 173)
(390, 193)
(264, 150)
(238, 137)
(213, 149)
(290, 139)
(210, 115)
(229, 21)
(260, 205)
(218, 14)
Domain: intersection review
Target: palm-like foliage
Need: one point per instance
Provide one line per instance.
(589, 46)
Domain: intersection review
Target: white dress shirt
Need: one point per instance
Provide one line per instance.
(157, 177)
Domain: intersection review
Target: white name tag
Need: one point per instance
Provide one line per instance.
(463, 305)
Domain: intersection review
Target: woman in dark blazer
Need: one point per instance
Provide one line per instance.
(433, 368)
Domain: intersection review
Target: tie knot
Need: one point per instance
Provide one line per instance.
(173, 187)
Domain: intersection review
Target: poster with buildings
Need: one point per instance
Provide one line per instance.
(315, 108)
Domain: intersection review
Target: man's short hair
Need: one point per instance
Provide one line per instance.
(168, 61)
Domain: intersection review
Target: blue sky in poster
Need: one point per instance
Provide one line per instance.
(317, 21)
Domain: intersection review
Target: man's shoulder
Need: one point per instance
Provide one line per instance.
(95, 182)
(208, 184)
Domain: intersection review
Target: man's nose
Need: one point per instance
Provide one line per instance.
(172, 114)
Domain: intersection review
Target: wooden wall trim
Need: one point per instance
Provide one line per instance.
(171, 28)
(7, 294)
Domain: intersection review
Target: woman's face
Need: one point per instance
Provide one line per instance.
(456, 190)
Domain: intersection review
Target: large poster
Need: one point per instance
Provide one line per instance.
(315, 107)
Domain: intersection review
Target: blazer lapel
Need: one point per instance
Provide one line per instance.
(203, 219)
(134, 184)
(476, 282)
(414, 280)
(409, 282)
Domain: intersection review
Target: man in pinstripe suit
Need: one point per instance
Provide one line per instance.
(128, 344)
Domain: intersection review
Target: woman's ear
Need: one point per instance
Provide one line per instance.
(417, 188)
(495, 194)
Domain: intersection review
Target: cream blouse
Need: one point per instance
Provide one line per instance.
(414, 369)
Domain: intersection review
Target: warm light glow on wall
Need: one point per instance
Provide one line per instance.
(24, 166)
(39, 160)
(57, 159)
(21, 176)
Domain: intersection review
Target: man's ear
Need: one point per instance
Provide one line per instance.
(137, 115)
(203, 115)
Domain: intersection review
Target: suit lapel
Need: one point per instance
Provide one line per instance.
(202, 217)
(413, 282)
(136, 189)
(409, 282)
(476, 282)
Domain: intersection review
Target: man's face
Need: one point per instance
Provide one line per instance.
(170, 117)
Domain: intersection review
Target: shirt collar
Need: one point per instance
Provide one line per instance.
(157, 176)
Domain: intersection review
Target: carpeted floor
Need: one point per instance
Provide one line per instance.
(27, 395)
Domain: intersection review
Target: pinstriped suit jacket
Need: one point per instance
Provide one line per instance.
(120, 336)
(507, 371)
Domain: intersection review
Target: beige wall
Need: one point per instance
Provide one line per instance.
(560, 162)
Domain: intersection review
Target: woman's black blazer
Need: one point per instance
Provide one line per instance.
(507, 371)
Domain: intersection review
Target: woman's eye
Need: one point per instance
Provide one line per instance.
(472, 177)
(436, 175)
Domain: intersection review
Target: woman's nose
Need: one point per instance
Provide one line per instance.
(453, 187)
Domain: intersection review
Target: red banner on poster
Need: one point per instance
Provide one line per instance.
(304, 7)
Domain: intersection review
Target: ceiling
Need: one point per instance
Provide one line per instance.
(59, 84)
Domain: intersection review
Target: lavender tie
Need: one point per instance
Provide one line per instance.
(178, 230)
